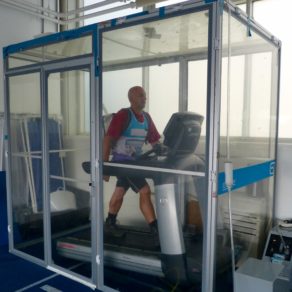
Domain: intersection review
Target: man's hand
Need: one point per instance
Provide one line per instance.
(160, 149)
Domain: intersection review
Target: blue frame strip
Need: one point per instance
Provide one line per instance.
(95, 47)
(247, 175)
(53, 38)
(161, 11)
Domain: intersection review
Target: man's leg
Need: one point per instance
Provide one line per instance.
(115, 204)
(146, 205)
(147, 209)
(116, 200)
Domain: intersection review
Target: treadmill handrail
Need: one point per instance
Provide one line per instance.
(155, 169)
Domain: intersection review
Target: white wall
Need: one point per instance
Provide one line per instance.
(283, 202)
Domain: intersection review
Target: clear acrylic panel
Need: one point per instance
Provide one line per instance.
(251, 140)
(69, 146)
(171, 252)
(197, 89)
(115, 97)
(26, 163)
(51, 52)
(181, 35)
(161, 94)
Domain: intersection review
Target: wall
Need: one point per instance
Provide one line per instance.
(283, 201)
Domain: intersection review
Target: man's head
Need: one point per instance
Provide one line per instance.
(137, 98)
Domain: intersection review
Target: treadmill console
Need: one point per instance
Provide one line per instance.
(182, 133)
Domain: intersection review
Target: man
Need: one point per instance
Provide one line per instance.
(128, 131)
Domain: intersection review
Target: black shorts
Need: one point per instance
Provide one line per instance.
(135, 183)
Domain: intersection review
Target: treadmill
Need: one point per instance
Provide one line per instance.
(179, 256)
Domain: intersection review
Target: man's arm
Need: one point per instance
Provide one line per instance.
(152, 136)
(107, 146)
(114, 131)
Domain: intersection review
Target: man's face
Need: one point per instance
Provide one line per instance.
(138, 98)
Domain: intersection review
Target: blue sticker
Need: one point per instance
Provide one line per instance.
(247, 175)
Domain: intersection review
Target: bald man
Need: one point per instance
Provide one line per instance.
(129, 129)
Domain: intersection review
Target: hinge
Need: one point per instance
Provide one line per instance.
(216, 43)
(213, 178)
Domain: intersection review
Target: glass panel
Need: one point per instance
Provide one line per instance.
(167, 183)
(115, 97)
(157, 40)
(69, 184)
(280, 28)
(197, 90)
(56, 51)
(160, 94)
(252, 138)
(26, 163)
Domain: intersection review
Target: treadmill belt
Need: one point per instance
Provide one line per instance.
(130, 239)
(137, 240)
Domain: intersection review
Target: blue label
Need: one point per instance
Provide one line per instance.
(247, 175)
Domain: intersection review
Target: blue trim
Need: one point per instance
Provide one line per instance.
(247, 175)
(53, 38)
(161, 11)
(221, 3)
(210, 1)
(113, 22)
(95, 48)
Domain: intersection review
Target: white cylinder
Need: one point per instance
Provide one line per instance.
(228, 174)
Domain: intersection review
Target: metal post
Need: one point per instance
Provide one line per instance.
(212, 141)
(46, 169)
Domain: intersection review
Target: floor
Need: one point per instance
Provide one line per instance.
(18, 275)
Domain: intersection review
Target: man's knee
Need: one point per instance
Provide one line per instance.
(119, 193)
(145, 191)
